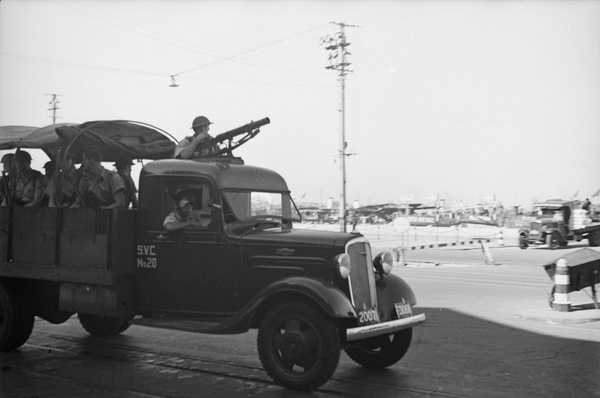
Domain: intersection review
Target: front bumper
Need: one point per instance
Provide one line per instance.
(378, 329)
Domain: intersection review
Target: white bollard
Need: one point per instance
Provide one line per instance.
(561, 287)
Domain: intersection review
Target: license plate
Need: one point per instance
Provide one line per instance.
(403, 309)
(366, 317)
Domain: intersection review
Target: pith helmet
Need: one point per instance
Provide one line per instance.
(200, 121)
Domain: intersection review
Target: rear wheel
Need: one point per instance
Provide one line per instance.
(104, 326)
(381, 351)
(298, 346)
(16, 320)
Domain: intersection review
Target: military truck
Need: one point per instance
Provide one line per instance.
(310, 294)
(556, 222)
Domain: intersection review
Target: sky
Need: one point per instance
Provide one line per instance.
(467, 101)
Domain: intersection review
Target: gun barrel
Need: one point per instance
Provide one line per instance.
(243, 129)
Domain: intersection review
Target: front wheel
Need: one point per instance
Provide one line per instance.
(523, 244)
(552, 240)
(104, 326)
(16, 320)
(381, 351)
(298, 346)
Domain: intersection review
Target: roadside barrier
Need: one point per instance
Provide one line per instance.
(449, 244)
(561, 287)
(501, 237)
(487, 254)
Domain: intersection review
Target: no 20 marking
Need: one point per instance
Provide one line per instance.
(146, 256)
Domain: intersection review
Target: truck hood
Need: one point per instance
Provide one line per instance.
(297, 238)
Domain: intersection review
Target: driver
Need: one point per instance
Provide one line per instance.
(199, 144)
(185, 215)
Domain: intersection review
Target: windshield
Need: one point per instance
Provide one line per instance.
(547, 212)
(245, 205)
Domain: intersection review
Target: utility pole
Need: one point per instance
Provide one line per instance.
(54, 106)
(336, 45)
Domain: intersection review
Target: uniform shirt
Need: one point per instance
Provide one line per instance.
(25, 184)
(67, 187)
(101, 191)
(179, 216)
(130, 189)
(202, 149)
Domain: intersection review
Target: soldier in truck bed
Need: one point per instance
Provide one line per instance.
(26, 188)
(99, 187)
(62, 187)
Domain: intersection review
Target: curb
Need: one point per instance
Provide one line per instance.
(557, 317)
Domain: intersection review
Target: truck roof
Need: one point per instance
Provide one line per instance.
(224, 174)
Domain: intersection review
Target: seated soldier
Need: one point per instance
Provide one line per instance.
(99, 187)
(26, 185)
(62, 187)
(185, 214)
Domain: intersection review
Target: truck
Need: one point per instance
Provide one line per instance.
(556, 222)
(310, 294)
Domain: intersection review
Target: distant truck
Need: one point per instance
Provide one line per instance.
(556, 222)
(310, 294)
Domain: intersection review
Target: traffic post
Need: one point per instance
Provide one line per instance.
(561, 287)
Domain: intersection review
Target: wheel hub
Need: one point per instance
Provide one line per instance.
(293, 346)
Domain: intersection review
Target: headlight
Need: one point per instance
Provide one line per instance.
(384, 263)
(343, 265)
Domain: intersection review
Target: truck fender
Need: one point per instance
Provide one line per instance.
(390, 290)
(326, 296)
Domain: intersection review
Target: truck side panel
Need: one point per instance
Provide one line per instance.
(89, 253)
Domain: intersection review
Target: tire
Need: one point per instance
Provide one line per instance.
(298, 346)
(523, 245)
(103, 326)
(552, 240)
(594, 238)
(381, 351)
(16, 320)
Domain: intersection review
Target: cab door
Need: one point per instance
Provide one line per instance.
(178, 271)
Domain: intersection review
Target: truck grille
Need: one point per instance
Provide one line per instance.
(535, 226)
(362, 278)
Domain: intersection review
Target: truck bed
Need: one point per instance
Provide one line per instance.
(76, 249)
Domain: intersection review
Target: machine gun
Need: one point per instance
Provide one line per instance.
(238, 136)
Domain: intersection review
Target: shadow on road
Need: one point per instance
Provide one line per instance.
(455, 354)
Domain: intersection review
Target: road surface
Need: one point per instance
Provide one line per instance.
(472, 345)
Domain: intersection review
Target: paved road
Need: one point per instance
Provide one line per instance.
(472, 345)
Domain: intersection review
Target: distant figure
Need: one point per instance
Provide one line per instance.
(197, 145)
(124, 170)
(99, 187)
(62, 189)
(586, 205)
(26, 188)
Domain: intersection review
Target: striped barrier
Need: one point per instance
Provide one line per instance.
(450, 244)
(561, 287)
